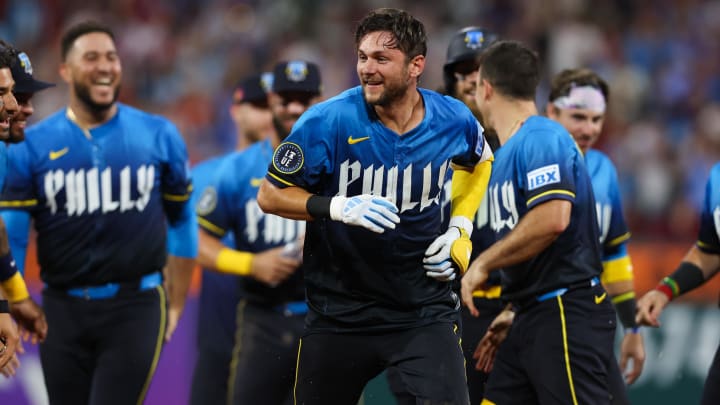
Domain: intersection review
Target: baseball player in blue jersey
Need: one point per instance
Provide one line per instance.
(219, 294)
(700, 264)
(24, 309)
(578, 98)
(542, 211)
(107, 187)
(366, 169)
(8, 108)
(266, 252)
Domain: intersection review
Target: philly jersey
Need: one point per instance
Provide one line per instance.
(709, 236)
(541, 162)
(100, 198)
(608, 203)
(230, 204)
(357, 279)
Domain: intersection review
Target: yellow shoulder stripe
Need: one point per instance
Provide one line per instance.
(18, 203)
(210, 226)
(285, 182)
(549, 192)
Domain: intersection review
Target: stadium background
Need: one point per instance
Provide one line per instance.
(181, 58)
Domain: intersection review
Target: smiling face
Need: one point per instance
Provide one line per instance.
(9, 105)
(19, 120)
(583, 124)
(384, 71)
(92, 70)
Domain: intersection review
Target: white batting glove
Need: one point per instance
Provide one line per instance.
(371, 212)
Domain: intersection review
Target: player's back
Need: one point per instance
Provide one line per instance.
(541, 162)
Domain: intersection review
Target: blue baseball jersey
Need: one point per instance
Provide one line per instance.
(541, 162)
(3, 164)
(608, 203)
(219, 293)
(100, 198)
(709, 235)
(357, 279)
(230, 204)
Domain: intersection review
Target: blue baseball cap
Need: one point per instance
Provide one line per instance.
(22, 73)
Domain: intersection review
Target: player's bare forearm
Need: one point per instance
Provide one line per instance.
(288, 202)
(619, 287)
(4, 242)
(208, 249)
(178, 275)
(535, 232)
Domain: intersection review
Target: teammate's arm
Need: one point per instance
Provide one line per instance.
(270, 266)
(696, 268)
(533, 233)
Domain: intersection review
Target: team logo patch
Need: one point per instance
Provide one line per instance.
(207, 202)
(474, 39)
(25, 63)
(543, 176)
(296, 71)
(288, 158)
(266, 81)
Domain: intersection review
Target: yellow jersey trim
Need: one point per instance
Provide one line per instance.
(549, 192)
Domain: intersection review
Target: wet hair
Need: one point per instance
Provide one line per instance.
(8, 55)
(564, 81)
(408, 33)
(78, 30)
(511, 68)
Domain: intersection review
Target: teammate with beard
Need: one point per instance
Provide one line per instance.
(266, 252)
(366, 170)
(219, 293)
(24, 309)
(107, 187)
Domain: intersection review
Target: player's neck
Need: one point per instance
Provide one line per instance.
(87, 118)
(510, 116)
(404, 114)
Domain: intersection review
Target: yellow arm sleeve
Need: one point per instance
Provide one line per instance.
(15, 288)
(615, 270)
(233, 262)
(467, 190)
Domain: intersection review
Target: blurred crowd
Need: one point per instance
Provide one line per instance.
(661, 58)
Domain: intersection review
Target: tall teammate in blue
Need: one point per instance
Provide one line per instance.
(542, 210)
(266, 253)
(366, 169)
(219, 294)
(578, 98)
(101, 181)
(700, 264)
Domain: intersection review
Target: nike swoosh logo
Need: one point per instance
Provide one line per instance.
(352, 141)
(600, 298)
(58, 154)
(256, 182)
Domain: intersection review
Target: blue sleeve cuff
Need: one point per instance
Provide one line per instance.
(17, 224)
(182, 235)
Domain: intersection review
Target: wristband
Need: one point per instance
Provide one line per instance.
(318, 206)
(686, 278)
(233, 262)
(4, 307)
(15, 288)
(625, 306)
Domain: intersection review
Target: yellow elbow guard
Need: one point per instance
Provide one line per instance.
(15, 288)
(468, 188)
(233, 262)
(619, 269)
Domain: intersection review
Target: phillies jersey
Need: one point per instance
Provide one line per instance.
(541, 162)
(230, 204)
(608, 204)
(709, 235)
(357, 279)
(100, 198)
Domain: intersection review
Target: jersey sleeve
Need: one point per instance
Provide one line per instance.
(547, 166)
(18, 191)
(618, 232)
(214, 207)
(305, 155)
(176, 184)
(708, 238)
(479, 150)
